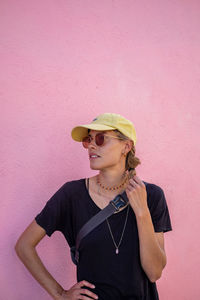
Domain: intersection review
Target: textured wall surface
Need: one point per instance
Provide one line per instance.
(64, 62)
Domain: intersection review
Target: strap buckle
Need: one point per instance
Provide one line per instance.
(118, 202)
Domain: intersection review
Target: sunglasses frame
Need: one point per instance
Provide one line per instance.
(111, 136)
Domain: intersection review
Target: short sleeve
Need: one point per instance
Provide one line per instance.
(56, 214)
(158, 209)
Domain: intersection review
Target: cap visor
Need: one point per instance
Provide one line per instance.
(79, 132)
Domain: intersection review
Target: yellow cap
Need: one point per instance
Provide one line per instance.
(107, 121)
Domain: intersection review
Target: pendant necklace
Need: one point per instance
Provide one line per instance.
(117, 246)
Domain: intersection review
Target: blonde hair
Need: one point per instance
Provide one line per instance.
(131, 160)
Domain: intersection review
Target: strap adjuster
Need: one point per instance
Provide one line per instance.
(118, 202)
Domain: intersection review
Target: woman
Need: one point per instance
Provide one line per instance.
(123, 256)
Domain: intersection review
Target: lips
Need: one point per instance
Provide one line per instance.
(93, 155)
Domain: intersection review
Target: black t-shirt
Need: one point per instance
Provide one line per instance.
(116, 276)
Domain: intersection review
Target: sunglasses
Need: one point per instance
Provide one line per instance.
(99, 139)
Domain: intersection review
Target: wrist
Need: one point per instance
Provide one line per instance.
(59, 292)
(143, 214)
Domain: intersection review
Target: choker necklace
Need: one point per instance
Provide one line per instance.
(117, 246)
(107, 188)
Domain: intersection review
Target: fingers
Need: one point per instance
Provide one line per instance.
(138, 180)
(135, 181)
(85, 283)
(135, 185)
(88, 293)
(77, 291)
(83, 293)
(84, 298)
(131, 186)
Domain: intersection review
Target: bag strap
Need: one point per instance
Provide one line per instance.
(118, 202)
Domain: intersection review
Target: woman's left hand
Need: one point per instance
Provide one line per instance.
(137, 195)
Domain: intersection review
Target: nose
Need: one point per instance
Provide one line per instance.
(92, 144)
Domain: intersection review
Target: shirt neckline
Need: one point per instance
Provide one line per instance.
(94, 203)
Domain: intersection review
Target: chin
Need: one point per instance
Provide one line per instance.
(95, 167)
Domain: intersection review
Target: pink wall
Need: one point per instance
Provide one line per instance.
(64, 62)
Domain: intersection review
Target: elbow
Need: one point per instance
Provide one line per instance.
(156, 274)
(154, 277)
(21, 248)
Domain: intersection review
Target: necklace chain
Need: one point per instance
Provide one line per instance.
(117, 246)
(110, 188)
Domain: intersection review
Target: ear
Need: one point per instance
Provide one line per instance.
(128, 146)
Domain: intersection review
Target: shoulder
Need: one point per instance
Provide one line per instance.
(71, 186)
(67, 192)
(158, 208)
(153, 188)
(155, 194)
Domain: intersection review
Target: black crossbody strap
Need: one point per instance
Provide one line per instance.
(118, 202)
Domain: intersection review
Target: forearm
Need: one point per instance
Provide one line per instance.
(153, 258)
(31, 260)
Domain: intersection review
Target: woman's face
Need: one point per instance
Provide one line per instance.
(109, 155)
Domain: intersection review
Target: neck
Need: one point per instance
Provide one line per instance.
(111, 177)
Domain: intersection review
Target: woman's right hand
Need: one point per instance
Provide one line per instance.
(77, 292)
